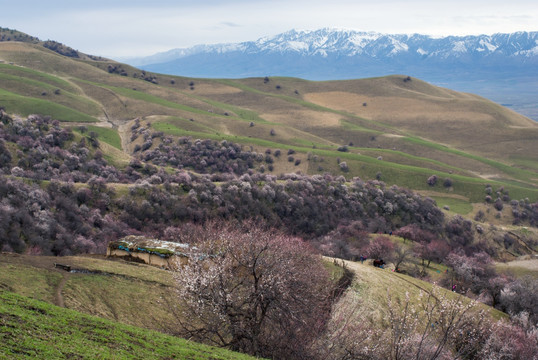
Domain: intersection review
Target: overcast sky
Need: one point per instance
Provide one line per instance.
(134, 27)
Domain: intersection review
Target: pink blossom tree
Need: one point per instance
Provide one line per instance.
(380, 248)
(254, 291)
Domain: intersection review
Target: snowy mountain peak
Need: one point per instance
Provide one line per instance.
(351, 43)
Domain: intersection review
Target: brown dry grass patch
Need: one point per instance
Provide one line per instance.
(15, 46)
(442, 194)
(530, 264)
(490, 215)
(215, 89)
(120, 157)
(399, 110)
(464, 121)
(303, 118)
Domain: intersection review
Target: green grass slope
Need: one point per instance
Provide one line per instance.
(33, 329)
(371, 286)
(114, 290)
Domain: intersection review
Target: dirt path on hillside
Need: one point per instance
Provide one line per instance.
(108, 122)
(357, 267)
(58, 297)
(124, 133)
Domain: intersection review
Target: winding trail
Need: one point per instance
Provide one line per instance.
(357, 267)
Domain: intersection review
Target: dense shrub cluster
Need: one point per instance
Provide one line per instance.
(57, 219)
(301, 205)
(116, 69)
(203, 156)
(317, 204)
(524, 210)
(147, 77)
(45, 151)
(61, 49)
(331, 212)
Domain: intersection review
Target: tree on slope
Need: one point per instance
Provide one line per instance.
(253, 291)
(434, 325)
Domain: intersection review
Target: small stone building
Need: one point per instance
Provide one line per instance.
(163, 254)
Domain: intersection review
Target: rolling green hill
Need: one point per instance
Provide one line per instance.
(400, 130)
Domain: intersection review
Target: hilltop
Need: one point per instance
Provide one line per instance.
(11, 35)
(501, 67)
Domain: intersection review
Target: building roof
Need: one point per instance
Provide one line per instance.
(133, 243)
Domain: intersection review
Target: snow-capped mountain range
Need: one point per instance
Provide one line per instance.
(349, 45)
(504, 62)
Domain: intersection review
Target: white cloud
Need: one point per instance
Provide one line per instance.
(136, 27)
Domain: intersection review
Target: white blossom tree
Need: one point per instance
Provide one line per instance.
(434, 325)
(254, 291)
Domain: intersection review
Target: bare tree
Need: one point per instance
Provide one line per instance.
(435, 326)
(401, 256)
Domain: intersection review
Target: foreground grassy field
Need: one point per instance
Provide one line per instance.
(126, 297)
(33, 329)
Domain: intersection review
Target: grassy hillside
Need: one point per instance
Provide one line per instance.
(110, 289)
(125, 294)
(112, 163)
(122, 293)
(32, 329)
(371, 286)
(397, 129)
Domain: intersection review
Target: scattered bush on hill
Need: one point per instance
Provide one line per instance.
(116, 69)
(432, 180)
(61, 49)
